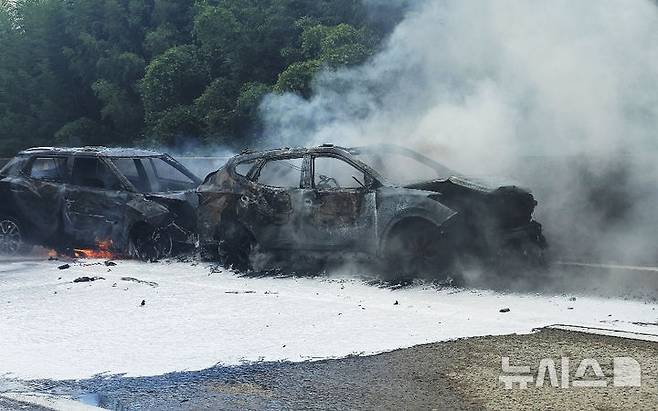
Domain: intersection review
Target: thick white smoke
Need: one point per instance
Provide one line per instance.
(503, 86)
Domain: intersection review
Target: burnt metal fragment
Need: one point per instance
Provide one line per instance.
(87, 279)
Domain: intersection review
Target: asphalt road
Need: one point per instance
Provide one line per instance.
(454, 375)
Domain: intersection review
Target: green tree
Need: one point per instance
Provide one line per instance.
(120, 72)
(172, 80)
(323, 47)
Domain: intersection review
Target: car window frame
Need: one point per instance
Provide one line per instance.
(153, 177)
(124, 182)
(257, 164)
(26, 171)
(178, 166)
(15, 167)
(369, 182)
(141, 171)
(263, 161)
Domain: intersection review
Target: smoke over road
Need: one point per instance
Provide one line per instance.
(561, 95)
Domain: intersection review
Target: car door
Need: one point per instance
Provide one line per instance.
(271, 207)
(37, 193)
(95, 202)
(339, 206)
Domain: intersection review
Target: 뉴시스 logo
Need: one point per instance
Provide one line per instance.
(626, 373)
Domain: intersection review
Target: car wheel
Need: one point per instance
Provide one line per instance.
(150, 244)
(11, 236)
(236, 246)
(418, 249)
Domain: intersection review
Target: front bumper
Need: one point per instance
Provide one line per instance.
(531, 232)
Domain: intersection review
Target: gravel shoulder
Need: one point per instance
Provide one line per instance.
(455, 375)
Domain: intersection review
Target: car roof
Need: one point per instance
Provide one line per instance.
(91, 151)
(294, 151)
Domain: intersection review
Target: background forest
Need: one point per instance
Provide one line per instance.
(167, 72)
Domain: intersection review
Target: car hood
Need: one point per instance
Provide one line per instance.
(480, 184)
(512, 205)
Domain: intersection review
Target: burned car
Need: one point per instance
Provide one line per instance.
(134, 203)
(392, 203)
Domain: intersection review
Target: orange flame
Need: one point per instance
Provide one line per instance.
(102, 250)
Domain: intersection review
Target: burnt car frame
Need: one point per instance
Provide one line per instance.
(137, 203)
(335, 201)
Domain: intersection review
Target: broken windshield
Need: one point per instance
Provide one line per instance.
(154, 174)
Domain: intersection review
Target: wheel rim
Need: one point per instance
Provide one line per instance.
(10, 237)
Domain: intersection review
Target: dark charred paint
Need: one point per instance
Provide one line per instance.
(319, 214)
(79, 197)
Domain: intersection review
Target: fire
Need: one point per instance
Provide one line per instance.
(102, 250)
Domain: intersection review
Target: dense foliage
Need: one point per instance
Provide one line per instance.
(124, 72)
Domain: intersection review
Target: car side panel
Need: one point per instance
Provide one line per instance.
(37, 204)
(396, 204)
(94, 215)
(338, 219)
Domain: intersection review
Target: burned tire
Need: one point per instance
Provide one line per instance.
(12, 236)
(418, 249)
(235, 246)
(150, 244)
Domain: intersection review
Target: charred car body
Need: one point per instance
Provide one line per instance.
(134, 202)
(334, 200)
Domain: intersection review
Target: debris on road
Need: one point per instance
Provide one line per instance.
(64, 267)
(87, 279)
(504, 310)
(135, 280)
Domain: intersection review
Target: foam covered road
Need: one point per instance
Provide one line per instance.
(150, 319)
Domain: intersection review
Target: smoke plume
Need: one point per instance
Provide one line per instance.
(560, 95)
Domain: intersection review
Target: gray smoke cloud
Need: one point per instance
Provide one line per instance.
(561, 95)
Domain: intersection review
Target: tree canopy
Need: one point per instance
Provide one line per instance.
(126, 72)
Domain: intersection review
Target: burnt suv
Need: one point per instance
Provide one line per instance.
(399, 206)
(132, 202)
